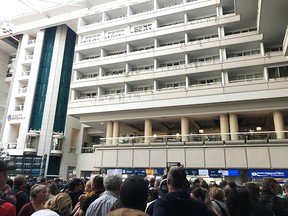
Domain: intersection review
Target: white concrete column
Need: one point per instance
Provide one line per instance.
(234, 127)
(186, 59)
(224, 127)
(262, 49)
(279, 124)
(184, 129)
(148, 130)
(225, 78)
(219, 11)
(116, 131)
(109, 132)
(185, 19)
(266, 74)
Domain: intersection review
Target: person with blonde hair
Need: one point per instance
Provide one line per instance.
(38, 194)
(60, 205)
(127, 212)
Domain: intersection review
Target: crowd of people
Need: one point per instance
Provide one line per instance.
(137, 196)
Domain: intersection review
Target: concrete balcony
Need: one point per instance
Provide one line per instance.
(247, 150)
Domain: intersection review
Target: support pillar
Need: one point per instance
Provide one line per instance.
(224, 127)
(279, 124)
(116, 131)
(184, 129)
(109, 132)
(148, 130)
(234, 127)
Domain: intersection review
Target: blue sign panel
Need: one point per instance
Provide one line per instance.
(215, 173)
(128, 171)
(158, 171)
(192, 171)
(140, 172)
(233, 172)
(267, 173)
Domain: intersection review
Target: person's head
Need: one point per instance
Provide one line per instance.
(199, 193)
(4, 168)
(253, 190)
(112, 183)
(53, 188)
(152, 182)
(196, 183)
(217, 194)
(127, 212)
(98, 184)
(232, 185)
(38, 191)
(61, 204)
(223, 184)
(76, 185)
(270, 185)
(204, 184)
(176, 178)
(20, 181)
(133, 193)
(88, 186)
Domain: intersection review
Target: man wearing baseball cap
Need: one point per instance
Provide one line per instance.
(7, 208)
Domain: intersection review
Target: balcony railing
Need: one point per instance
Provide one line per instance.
(22, 90)
(245, 138)
(19, 107)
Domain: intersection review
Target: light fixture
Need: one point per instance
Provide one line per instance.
(155, 135)
(258, 129)
(177, 134)
(201, 131)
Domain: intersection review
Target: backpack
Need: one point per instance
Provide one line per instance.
(12, 198)
(223, 211)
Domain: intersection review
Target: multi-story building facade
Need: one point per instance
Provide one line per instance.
(186, 81)
(203, 83)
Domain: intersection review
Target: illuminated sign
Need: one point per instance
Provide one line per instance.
(268, 173)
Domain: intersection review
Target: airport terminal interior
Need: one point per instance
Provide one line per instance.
(95, 87)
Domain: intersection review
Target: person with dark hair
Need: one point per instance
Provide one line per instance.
(269, 199)
(75, 190)
(133, 193)
(244, 203)
(257, 208)
(232, 199)
(177, 201)
(98, 189)
(18, 191)
(7, 208)
(223, 184)
(162, 191)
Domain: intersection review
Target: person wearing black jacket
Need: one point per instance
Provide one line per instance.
(177, 201)
(269, 199)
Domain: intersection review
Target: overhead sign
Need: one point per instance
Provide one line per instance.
(267, 173)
